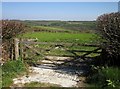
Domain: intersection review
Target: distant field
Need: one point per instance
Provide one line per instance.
(50, 28)
(62, 37)
(44, 28)
(73, 25)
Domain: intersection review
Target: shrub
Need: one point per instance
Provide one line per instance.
(105, 77)
(10, 29)
(109, 27)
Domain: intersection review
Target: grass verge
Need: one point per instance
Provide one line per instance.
(37, 84)
(10, 70)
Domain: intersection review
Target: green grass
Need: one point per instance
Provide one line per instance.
(50, 28)
(0, 77)
(90, 38)
(10, 70)
(62, 37)
(73, 25)
(37, 84)
(108, 77)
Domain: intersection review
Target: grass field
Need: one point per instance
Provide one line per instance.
(74, 38)
(50, 28)
(62, 37)
(73, 25)
(74, 32)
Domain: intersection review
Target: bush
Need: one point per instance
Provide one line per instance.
(109, 27)
(10, 29)
(10, 70)
(105, 77)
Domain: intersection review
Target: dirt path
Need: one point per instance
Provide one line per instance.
(63, 71)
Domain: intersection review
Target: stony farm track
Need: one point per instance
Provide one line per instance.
(54, 70)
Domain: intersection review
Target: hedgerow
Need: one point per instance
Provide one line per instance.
(10, 29)
(109, 27)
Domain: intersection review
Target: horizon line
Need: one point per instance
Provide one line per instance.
(45, 20)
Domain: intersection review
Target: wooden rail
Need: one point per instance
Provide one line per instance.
(20, 46)
(28, 44)
(34, 50)
(62, 43)
(83, 51)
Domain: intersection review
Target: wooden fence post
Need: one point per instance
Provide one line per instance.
(12, 51)
(21, 48)
(16, 43)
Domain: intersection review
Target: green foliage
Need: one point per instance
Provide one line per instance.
(105, 77)
(10, 70)
(0, 77)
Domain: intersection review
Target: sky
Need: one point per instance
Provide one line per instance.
(68, 11)
(60, 0)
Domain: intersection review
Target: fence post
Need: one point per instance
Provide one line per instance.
(16, 43)
(12, 51)
(21, 48)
